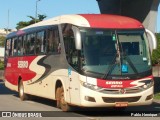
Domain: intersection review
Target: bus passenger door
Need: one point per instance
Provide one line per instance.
(73, 95)
(74, 84)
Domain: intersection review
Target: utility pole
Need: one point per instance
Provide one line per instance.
(36, 10)
(8, 22)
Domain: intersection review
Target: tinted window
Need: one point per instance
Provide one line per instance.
(14, 47)
(20, 46)
(53, 45)
(41, 43)
(69, 43)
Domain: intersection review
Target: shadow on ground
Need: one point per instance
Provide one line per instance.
(4, 90)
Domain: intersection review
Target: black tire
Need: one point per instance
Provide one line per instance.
(63, 104)
(22, 95)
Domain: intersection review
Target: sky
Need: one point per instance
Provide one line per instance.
(20, 9)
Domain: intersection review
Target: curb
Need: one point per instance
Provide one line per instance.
(156, 101)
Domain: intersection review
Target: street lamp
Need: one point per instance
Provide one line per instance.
(36, 10)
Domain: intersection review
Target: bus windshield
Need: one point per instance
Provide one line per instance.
(115, 52)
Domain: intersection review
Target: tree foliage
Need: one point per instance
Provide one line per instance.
(23, 24)
(2, 41)
(1, 65)
(156, 53)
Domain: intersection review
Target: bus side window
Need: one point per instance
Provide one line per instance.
(69, 43)
(14, 47)
(24, 44)
(30, 44)
(41, 43)
(20, 46)
(27, 44)
(53, 45)
(8, 47)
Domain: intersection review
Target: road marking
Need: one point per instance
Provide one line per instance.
(92, 118)
(32, 102)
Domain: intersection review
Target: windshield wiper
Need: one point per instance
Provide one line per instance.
(131, 64)
(115, 61)
(111, 67)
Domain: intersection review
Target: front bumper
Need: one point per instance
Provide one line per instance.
(91, 98)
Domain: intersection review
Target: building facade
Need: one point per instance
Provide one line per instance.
(3, 32)
(1, 54)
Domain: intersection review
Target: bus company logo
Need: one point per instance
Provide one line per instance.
(114, 83)
(122, 91)
(22, 64)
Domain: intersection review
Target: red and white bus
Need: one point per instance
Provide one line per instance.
(88, 60)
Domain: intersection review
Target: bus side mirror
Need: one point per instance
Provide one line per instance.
(77, 36)
(152, 40)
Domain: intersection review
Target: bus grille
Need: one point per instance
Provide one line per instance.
(117, 91)
(125, 99)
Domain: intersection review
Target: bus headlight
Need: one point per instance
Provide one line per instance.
(90, 86)
(148, 84)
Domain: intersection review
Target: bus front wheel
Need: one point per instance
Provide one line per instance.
(61, 103)
(22, 95)
(58, 97)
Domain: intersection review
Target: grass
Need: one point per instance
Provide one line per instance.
(157, 96)
(1, 65)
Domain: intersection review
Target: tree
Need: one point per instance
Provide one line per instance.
(156, 53)
(2, 41)
(41, 17)
(23, 24)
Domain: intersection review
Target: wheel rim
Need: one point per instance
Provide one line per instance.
(21, 90)
(58, 97)
(63, 103)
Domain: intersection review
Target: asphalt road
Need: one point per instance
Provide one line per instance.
(10, 102)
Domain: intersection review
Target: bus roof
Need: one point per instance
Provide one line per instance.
(86, 20)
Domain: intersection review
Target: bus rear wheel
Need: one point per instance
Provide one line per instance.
(22, 95)
(62, 103)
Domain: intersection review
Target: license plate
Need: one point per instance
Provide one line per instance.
(121, 104)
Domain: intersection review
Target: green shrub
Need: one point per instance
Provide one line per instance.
(1, 65)
(156, 53)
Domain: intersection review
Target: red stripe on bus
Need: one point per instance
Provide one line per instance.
(12, 71)
(111, 21)
(119, 83)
